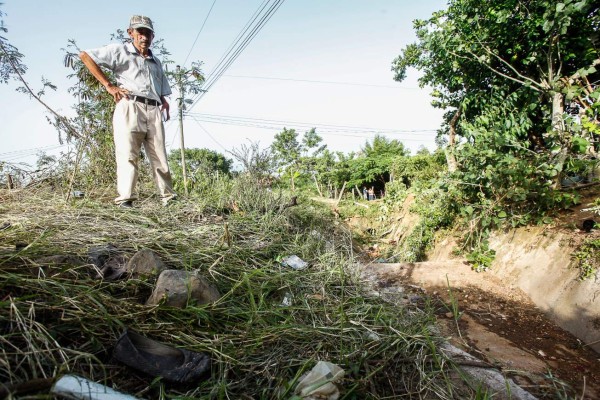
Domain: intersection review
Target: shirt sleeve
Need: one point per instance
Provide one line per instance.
(165, 87)
(105, 56)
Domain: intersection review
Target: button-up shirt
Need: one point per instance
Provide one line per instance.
(142, 76)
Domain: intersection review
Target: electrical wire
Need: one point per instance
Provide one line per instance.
(199, 32)
(24, 153)
(278, 124)
(324, 132)
(322, 82)
(208, 133)
(237, 47)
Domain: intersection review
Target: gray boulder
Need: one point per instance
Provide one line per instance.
(176, 288)
(145, 263)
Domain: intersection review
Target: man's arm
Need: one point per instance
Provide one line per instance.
(116, 92)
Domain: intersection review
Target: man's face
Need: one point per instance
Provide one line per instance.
(142, 38)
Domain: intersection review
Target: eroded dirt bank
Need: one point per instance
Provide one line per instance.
(497, 323)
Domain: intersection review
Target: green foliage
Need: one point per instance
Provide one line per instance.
(438, 209)
(503, 70)
(201, 165)
(295, 158)
(420, 169)
(587, 258)
(374, 162)
(481, 258)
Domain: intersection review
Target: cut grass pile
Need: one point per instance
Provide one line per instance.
(64, 319)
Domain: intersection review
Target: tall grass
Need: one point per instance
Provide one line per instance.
(61, 318)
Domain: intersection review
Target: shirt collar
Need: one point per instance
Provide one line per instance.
(131, 48)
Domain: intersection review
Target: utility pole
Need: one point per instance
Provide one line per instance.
(181, 105)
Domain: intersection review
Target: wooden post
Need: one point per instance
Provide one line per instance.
(341, 193)
(9, 181)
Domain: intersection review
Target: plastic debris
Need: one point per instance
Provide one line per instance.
(287, 300)
(76, 387)
(294, 262)
(319, 383)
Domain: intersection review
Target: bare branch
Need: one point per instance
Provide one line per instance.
(62, 119)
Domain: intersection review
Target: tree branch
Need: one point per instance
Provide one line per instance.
(513, 69)
(63, 120)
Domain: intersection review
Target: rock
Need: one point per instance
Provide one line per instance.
(145, 263)
(176, 287)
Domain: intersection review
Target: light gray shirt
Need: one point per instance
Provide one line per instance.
(141, 76)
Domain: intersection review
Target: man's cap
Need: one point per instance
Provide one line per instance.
(141, 21)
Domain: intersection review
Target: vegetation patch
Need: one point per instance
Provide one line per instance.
(59, 319)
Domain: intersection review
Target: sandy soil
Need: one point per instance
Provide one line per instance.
(498, 325)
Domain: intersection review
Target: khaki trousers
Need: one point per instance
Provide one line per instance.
(136, 124)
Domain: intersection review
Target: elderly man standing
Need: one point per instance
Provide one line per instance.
(140, 90)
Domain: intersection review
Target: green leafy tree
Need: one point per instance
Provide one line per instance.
(202, 165)
(503, 71)
(374, 163)
(295, 157)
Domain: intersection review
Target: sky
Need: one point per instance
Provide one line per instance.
(315, 63)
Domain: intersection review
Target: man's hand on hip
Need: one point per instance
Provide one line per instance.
(117, 93)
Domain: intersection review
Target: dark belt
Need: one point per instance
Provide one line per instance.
(145, 100)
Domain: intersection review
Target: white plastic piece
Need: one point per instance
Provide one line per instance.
(78, 388)
(294, 262)
(320, 382)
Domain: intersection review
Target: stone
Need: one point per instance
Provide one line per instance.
(175, 288)
(145, 263)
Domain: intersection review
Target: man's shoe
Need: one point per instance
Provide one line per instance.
(126, 204)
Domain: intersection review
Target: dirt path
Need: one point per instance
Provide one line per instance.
(497, 324)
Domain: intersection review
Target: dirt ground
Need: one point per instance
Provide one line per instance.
(497, 324)
(502, 327)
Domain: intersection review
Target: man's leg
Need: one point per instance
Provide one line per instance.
(128, 138)
(154, 145)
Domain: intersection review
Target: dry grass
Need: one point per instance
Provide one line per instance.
(55, 320)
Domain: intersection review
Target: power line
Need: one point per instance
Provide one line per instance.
(200, 31)
(34, 149)
(23, 153)
(241, 42)
(278, 124)
(208, 133)
(325, 132)
(322, 82)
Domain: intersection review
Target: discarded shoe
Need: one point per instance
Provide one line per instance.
(157, 359)
(109, 260)
(126, 204)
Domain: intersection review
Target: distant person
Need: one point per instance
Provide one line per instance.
(372, 193)
(365, 193)
(140, 90)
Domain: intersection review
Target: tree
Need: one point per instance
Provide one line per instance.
(375, 161)
(503, 70)
(202, 164)
(11, 60)
(296, 157)
(258, 163)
